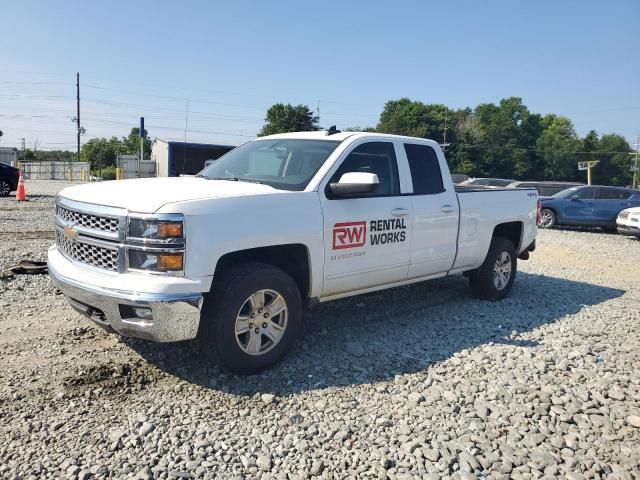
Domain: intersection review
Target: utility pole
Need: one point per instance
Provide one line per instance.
(444, 134)
(635, 165)
(100, 162)
(78, 111)
(318, 112)
(24, 147)
(186, 127)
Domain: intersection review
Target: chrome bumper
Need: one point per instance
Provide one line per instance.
(174, 317)
(628, 229)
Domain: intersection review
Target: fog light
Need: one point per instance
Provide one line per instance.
(131, 313)
(143, 312)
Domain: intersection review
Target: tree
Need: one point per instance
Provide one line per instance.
(558, 145)
(283, 118)
(101, 152)
(615, 161)
(414, 119)
(131, 144)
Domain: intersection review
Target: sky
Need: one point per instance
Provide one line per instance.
(213, 68)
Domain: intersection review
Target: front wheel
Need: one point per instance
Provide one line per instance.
(494, 279)
(251, 317)
(547, 218)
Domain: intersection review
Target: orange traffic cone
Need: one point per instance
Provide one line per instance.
(21, 195)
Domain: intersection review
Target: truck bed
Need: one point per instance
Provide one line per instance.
(481, 208)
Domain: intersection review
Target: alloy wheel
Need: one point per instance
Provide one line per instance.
(261, 322)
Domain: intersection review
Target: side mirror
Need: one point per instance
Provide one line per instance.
(573, 197)
(353, 183)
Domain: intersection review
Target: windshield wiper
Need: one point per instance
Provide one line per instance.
(236, 179)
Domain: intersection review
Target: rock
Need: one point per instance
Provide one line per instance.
(571, 440)
(145, 429)
(144, 474)
(616, 394)
(574, 476)
(264, 463)
(317, 467)
(414, 398)
(354, 348)
(634, 421)
(267, 398)
(116, 434)
(431, 454)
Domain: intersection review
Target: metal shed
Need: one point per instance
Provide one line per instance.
(175, 158)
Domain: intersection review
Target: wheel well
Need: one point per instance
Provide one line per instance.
(511, 231)
(549, 208)
(292, 258)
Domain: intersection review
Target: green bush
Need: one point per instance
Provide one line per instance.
(108, 173)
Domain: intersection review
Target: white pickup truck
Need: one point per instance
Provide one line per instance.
(233, 255)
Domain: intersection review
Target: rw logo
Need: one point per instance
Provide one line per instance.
(349, 235)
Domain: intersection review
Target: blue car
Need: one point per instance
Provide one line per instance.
(588, 205)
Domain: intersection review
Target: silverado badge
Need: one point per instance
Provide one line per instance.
(70, 233)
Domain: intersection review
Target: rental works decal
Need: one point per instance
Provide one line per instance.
(354, 235)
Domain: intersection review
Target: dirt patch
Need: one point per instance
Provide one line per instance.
(111, 377)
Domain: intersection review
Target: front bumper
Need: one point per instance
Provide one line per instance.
(626, 229)
(174, 316)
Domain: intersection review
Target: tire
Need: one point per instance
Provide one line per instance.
(548, 218)
(488, 282)
(240, 295)
(5, 188)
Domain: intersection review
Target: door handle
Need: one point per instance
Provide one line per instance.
(447, 209)
(400, 212)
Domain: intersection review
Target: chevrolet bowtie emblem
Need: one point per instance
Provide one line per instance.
(70, 233)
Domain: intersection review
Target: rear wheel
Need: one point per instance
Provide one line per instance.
(494, 279)
(547, 218)
(5, 188)
(251, 317)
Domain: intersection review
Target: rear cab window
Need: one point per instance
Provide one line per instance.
(426, 175)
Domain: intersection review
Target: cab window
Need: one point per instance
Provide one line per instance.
(372, 157)
(425, 169)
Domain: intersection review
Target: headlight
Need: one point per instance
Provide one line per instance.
(155, 229)
(156, 261)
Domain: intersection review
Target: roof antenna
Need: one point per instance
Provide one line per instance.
(332, 130)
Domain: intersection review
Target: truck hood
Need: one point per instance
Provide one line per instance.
(147, 195)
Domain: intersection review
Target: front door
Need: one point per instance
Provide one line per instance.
(580, 207)
(366, 237)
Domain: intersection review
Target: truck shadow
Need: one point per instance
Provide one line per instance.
(373, 338)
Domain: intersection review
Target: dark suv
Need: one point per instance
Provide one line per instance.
(8, 179)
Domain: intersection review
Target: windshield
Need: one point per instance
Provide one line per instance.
(285, 164)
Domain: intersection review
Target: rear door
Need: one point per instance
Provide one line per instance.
(367, 237)
(579, 207)
(609, 201)
(435, 213)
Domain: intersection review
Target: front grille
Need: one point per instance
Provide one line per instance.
(86, 220)
(93, 255)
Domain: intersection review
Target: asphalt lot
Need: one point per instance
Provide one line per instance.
(416, 382)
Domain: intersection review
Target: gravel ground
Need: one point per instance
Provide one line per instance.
(415, 382)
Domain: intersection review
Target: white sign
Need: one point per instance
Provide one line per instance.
(586, 165)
